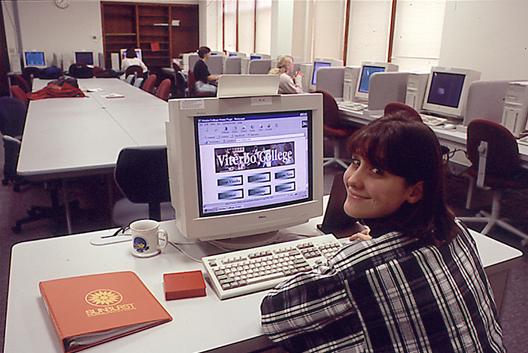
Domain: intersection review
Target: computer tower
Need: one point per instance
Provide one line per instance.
(350, 82)
(514, 115)
(416, 85)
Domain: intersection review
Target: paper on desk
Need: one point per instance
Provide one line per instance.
(114, 95)
(94, 89)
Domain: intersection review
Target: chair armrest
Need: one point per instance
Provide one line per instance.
(11, 139)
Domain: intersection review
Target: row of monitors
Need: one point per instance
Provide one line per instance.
(37, 58)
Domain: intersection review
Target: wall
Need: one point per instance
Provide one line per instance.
(281, 27)
(46, 27)
(489, 36)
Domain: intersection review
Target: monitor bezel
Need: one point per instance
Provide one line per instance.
(35, 51)
(327, 63)
(84, 52)
(458, 112)
(182, 152)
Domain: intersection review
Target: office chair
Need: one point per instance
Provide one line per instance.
(403, 110)
(18, 93)
(135, 70)
(149, 83)
(191, 86)
(332, 129)
(495, 165)
(141, 174)
(163, 91)
(12, 120)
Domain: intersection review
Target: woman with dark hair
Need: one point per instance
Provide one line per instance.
(416, 284)
(205, 81)
(132, 59)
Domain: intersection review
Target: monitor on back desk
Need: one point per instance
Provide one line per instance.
(367, 70)
(84, 57)
(447, 90)
(34, 58)
(253, 165)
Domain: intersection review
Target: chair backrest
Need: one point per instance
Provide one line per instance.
(330, 111)
(191, 80)
(163, 90)
(134, 70)
(19, 94)
(149, 83)
(138, 82)
(401, 110)
(12, 116)
(142, 175)
(503, 151)
(180, 83)
(259, 66)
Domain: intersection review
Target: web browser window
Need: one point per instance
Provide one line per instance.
(253, 161)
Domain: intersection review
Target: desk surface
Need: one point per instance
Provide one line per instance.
(199, 323)
(69, 136)
(450, 137)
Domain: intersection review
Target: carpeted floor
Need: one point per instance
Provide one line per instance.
(94, 205)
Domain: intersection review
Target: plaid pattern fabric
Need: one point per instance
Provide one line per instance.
(388, 294)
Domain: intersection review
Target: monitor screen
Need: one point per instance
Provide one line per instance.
(316, 67)
(255, 57)
(446, 89)
(232, 54)
(34, 58)
(364, 79)
(248, 162)
(84, 57)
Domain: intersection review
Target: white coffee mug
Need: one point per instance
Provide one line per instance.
(147, 238)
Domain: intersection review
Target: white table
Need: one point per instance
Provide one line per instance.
(452, 138)
(68, 137)
(198, 323)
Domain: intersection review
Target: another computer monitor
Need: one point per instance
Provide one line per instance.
(139, 54)
(84, 57)
(367, 70)
(35, 58)
(255, 57)
(316, 66)
(447, 90)
(249, 168)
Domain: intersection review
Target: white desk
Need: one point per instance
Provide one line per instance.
(66, 137)
(199, 323)
(451, 138)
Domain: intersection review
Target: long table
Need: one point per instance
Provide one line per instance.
(69, 137)
(452, 138)
(199, 324)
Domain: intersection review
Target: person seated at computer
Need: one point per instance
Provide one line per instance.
(287, 83)
(205, 81)
(132, 59)
(417, 286)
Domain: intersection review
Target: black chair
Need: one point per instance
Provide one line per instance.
(12, 120)
(142, 175)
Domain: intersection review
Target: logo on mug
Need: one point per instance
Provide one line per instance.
(140, 245)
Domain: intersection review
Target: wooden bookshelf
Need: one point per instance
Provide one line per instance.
(162, 31)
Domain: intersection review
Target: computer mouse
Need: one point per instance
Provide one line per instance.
(449, 126)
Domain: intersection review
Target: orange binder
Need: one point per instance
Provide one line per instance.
(89, 310)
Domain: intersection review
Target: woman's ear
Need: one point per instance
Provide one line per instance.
(416, 192)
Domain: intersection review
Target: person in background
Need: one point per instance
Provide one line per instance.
(132, 59)
(205, 81)
(414, 284)
(287, 83)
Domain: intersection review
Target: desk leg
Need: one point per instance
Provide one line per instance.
(66, 204)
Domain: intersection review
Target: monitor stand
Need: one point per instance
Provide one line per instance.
(247, 242)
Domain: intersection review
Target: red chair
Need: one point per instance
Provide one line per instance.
(495, 165)
(402, 110)
(19, 94)
(191, 86)
(333, 129)
(163, 91)
(150, 83)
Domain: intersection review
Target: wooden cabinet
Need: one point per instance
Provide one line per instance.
(162, 31)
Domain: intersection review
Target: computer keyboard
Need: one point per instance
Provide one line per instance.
(432, 120)
(354, 106)
(246, 271)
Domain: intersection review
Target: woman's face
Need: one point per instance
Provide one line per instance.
(374, 193)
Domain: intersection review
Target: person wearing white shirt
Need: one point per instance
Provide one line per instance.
(131, 59)
(287, 83)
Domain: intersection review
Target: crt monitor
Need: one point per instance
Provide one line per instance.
(316, 66)
(367, 70)
(139, 54)
(447, 90)
(255, 57)
(84, 57)
(249, 168)
(35, 59)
